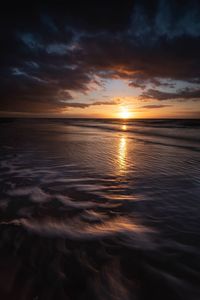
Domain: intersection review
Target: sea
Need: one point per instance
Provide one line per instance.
(103, 209)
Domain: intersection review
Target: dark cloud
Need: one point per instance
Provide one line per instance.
(154, 106)
(186, 94)
(50, 49)
(96, 103)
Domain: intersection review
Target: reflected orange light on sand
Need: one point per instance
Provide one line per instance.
(124, 127)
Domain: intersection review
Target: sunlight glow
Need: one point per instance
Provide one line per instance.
(124, 113)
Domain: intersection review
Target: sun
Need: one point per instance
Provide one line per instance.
(124, 113)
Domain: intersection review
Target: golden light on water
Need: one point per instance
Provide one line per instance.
(122, 153)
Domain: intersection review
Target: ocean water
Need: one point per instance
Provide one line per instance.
(99, 209)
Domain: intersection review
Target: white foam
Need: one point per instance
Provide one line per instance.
(35, 194)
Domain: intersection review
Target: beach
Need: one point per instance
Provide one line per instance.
(99, 209)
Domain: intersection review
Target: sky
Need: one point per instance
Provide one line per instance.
(95, 59)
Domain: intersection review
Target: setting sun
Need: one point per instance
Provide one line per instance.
(124, 113)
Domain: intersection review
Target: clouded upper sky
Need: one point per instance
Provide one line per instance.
(95, 58)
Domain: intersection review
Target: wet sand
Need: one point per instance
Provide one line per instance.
(98, 211)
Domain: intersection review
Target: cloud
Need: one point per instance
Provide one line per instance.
(141, 80)
(154, 106)
(185, 94)
(96, 103)
(50, 51)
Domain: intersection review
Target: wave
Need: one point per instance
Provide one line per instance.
(173, 139)
(96, 212)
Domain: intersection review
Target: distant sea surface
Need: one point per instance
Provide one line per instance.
(99, 209)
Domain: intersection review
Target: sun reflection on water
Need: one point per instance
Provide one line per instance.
(124, 127)
(122, 150)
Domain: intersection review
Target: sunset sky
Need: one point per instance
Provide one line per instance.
(100, 59)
